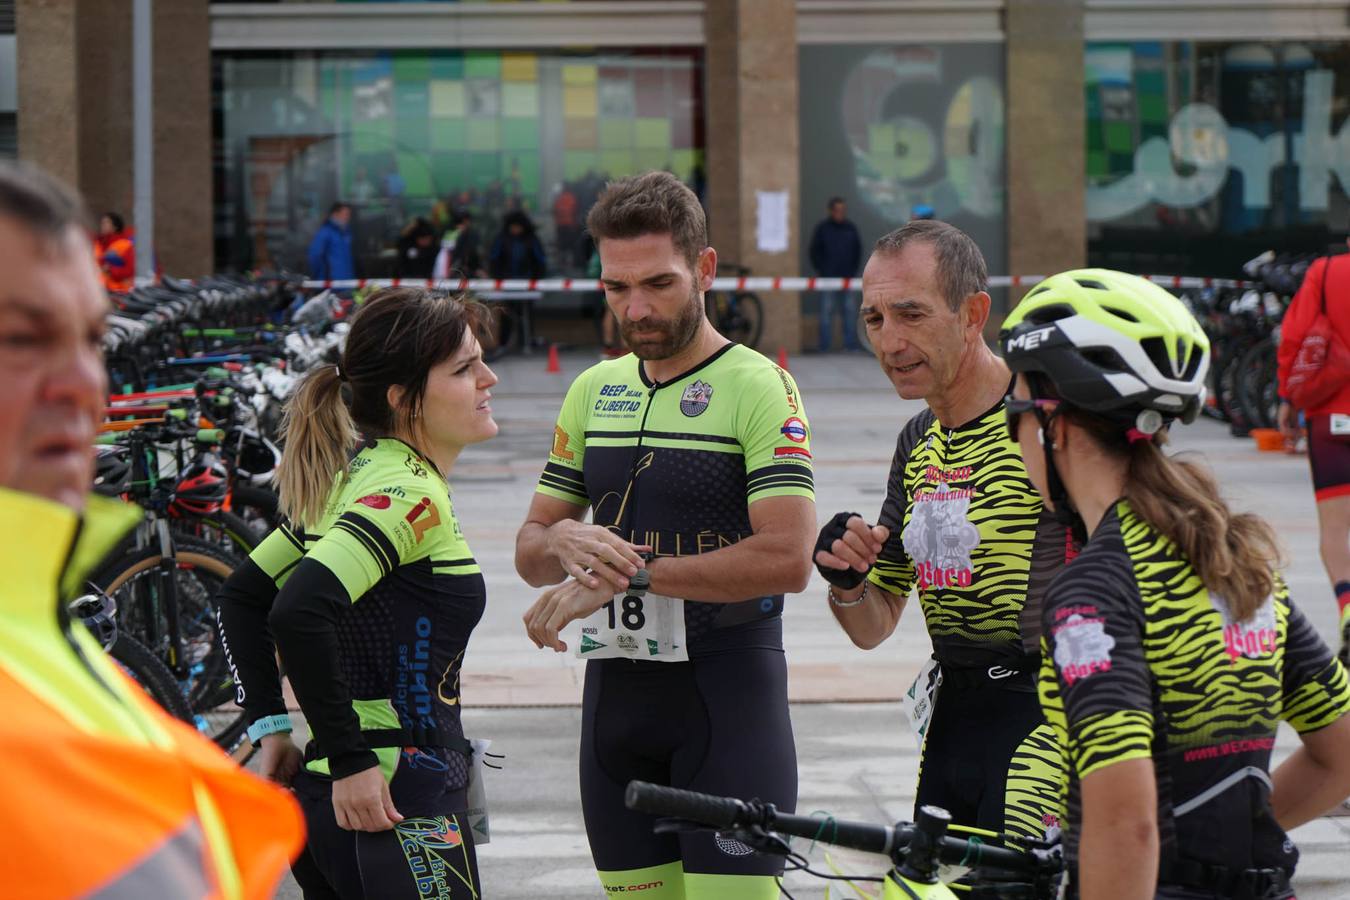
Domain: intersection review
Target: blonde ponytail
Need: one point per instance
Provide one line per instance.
(319, 435)
(1233, 554)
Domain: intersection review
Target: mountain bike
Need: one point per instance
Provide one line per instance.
(916, 850)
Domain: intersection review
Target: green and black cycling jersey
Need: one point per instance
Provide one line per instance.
(372, 611)
(969, 531)
(676, 465)
(1141, 660)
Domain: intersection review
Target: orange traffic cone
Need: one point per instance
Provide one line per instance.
(554, 367)
(782, 358)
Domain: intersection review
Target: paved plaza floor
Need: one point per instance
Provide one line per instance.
(857, 758)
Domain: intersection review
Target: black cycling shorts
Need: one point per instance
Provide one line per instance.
(989, 758)
(430, 854)
(717, 724)
(1329, 456)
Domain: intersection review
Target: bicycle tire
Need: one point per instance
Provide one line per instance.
(211, 688)
(230, 531)
(1257, 395)
(751, 309)
(151, 675)
(257, 504)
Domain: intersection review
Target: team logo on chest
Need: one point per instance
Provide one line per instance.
(939, 535)
(695, 398)
(1256, 638)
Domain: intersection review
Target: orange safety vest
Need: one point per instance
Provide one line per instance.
(118, 253)
(102, 794)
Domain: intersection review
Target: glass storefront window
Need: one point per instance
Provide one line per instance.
(403, 135)
(1202, 155)
(894, 129)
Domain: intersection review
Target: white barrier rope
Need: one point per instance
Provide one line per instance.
(748, 283)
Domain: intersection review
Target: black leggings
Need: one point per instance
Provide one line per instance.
(989, 759)
(430, 854)
(717, 724)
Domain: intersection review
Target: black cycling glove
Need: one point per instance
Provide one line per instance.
(834, 530)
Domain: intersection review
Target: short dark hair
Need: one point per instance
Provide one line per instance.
(654, 203)
(38, 202)
(338, 207)
(118, 223)
(833, 201)
(961, 270)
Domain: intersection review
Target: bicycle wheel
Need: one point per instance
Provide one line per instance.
(231, 532)
(149, 671)
(1257, 388)
(258, 506)
(135, 582)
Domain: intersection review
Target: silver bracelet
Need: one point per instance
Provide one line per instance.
(845, 604)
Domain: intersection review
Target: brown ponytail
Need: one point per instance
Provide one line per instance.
(396, 338)
(319, 435)
(1233, 553)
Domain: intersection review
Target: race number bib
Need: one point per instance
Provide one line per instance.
(635, 625)
(918, 701)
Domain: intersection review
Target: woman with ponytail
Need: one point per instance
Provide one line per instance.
(1171, 649)
(368, 593)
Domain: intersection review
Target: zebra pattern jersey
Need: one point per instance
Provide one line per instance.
(1140, 660)
(968, 530)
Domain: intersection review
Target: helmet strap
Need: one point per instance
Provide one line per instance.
(1064, 512)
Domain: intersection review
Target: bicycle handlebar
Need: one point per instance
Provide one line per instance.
(728, 813)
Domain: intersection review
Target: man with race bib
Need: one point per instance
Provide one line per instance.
(693, 455)
(963, 525)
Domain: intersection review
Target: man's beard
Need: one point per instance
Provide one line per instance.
(664, 339)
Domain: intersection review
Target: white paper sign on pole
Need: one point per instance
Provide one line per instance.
(771, 217)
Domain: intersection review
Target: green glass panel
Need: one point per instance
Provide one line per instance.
(683, 161)
(577, 163)
(447, 64)
(1150, 81)
(416, 171)
(616, 163)
(1119, 137)
(482, 64)
(411, 65)
(520, 134)
(520, 99)
(616, 134)
(652, 133)
(1152, 108)
(449, 134)
(1096, 163)
(649, 160)
(484, 169)
(451, 170)
(414, 134)
(485, 134)
(410, 101)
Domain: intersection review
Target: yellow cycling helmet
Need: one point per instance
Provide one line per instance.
(1111, 343)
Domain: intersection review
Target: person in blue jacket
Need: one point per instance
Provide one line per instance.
(836, 251)
(330, 253)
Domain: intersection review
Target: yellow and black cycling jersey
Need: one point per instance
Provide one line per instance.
(969, 532)
(676, 465)
(1140, 660)
(387, 593)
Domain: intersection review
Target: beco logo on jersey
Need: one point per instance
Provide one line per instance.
(1254, 639)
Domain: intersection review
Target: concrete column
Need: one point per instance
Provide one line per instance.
(48, 90)
(1047, 227)
(75, 113)
(751, 67)
(184, 238)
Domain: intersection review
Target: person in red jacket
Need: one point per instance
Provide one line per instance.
(1328, 424)
(115, 250)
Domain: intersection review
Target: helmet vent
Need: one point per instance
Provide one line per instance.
(1051, 313)
(1120, 313)
(1156, 349)
(1091, 283)
(1105, 358)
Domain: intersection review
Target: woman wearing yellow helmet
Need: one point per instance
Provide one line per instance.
(1171, 648)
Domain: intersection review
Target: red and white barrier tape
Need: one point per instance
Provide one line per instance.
(751, 283)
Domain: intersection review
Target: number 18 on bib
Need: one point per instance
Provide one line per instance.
(635, 625)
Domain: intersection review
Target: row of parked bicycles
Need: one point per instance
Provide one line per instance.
(1243, 325)
(200, 372)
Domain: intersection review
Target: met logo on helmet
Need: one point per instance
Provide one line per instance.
(1029, 340)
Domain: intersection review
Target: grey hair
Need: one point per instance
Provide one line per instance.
(39, 203)
(961, 270)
